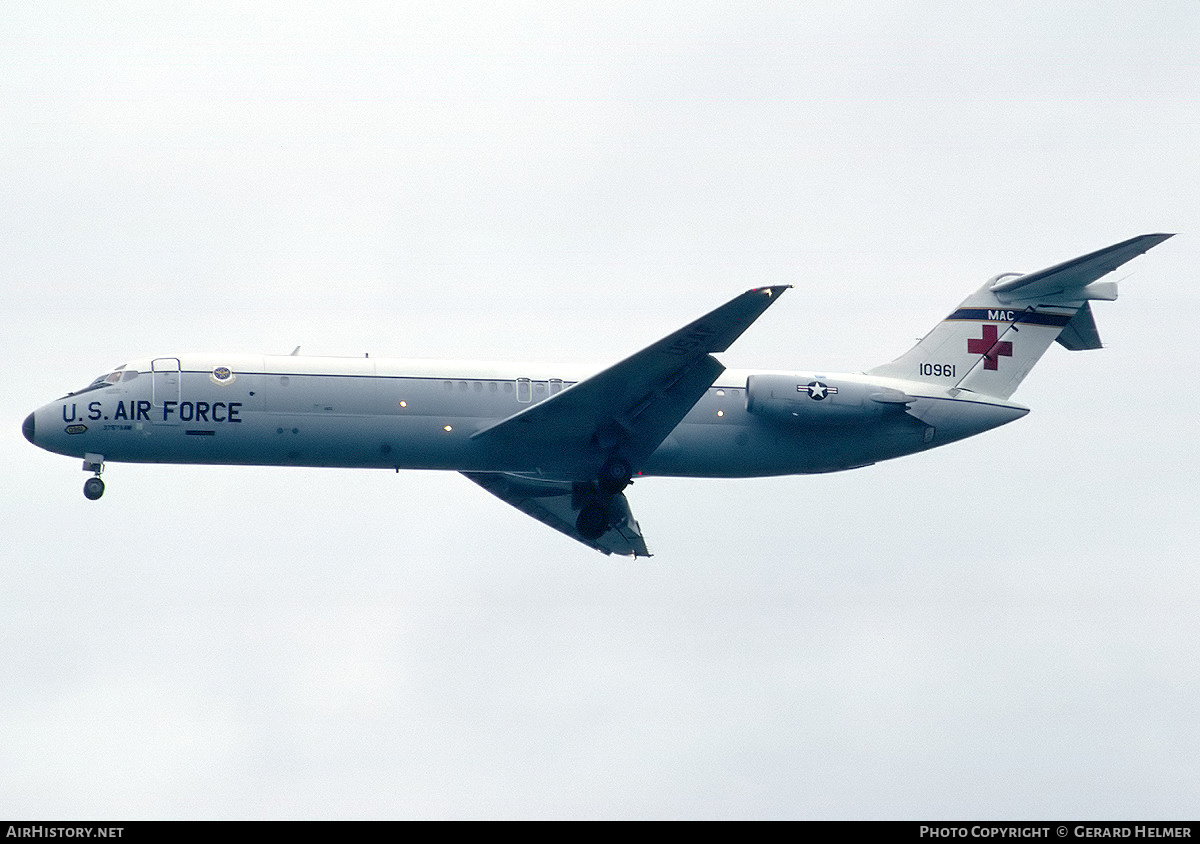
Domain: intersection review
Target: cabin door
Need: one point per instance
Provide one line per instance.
(165, 387)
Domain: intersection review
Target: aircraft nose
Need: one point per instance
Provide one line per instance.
(27, 428)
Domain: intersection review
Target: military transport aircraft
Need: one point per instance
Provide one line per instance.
(562, 445)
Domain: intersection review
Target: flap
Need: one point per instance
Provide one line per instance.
(552, 503)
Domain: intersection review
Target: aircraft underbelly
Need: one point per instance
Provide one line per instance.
(756, 449)
(294, 439)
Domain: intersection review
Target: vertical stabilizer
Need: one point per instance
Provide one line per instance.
(989, 343)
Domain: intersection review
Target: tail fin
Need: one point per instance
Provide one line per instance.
(992, 340)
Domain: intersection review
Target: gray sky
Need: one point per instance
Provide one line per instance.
(1003, 628)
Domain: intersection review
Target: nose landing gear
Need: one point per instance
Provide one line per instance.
(93, 487)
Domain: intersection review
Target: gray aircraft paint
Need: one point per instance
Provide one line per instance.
(300, 411)
(669, 410)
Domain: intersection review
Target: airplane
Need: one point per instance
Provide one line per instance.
(563, 444)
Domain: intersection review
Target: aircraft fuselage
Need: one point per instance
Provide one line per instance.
(562, 443)
(402, 414)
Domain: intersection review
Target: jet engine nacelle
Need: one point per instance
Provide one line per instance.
(805, 400)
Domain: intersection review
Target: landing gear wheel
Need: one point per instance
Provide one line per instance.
(615, 475)
(592, 521)
(93, 488)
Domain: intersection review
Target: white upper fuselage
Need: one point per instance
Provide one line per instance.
(420, 414)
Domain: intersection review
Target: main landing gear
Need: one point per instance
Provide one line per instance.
(93, 487)
(601, 505)
(592, 522)
(615, 475)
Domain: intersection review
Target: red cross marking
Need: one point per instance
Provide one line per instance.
(989, 348)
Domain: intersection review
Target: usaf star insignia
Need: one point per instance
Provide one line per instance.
(816, 390)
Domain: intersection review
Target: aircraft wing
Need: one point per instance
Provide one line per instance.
(633, 404)
(1077, 272)
(551, 503)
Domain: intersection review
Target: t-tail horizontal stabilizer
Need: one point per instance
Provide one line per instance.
(1070, 276)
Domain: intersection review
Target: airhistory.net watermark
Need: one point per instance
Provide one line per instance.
(45, 831)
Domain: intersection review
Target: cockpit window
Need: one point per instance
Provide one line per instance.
(105, 380)
(110, 378)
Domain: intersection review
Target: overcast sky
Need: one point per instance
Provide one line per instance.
(1003, 628)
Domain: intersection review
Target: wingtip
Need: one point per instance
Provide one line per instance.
(771, 290)
(1158, 237)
